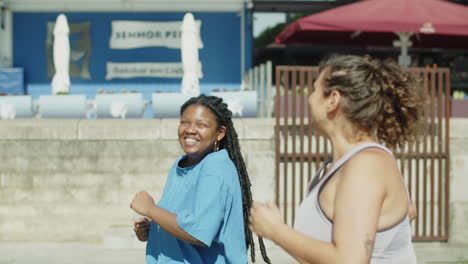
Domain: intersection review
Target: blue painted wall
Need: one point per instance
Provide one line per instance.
(220, 56)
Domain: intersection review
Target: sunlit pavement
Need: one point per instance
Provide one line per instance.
(66, 253)
(88, 253)
(94, 253)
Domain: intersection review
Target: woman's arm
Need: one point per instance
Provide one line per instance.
(144, 205)
(266, 221)
(358, 199)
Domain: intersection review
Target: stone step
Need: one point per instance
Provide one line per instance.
(441, 253)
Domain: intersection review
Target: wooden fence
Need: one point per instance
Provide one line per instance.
(425, 165)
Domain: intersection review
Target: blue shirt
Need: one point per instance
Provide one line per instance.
(206, 197)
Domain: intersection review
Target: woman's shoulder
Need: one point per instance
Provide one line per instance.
(379, 155)
(217, 162)
(370, 162)
(220, 158)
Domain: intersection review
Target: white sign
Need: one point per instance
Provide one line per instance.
(139, 34)
(144, 69)
(126, 70)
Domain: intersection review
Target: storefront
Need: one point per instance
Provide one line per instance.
(108, 52)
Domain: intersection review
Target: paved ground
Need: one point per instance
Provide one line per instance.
(85, 253)
(88, 253)
(66, 253)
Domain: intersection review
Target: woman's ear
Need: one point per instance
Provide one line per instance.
(334, 101)
(221, 132)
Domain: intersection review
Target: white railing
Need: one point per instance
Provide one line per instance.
(260, 79)
(129, 105)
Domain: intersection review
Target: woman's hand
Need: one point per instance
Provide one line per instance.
(141, 228)
(142, 203)
(265, 219)
(412, 211)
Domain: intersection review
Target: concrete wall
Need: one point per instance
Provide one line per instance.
(73, 180)
(68, 180)
(459, 182)
(456, 249)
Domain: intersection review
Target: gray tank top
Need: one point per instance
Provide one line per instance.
(391, 246)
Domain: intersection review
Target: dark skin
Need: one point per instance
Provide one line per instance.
(198, 131)
(144, 205)
(141, 228)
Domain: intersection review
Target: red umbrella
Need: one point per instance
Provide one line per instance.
(436, 24)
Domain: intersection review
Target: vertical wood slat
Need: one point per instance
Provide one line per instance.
(431, 153)
(418, 189)
(424, 187)
(293, 137)
(433, 114)
(286, 132)
(309, 127)
(277, 135)
(417, 152)
(447, 150)
(439, 152)
(301, 131)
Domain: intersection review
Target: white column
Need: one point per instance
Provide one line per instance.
(242, 41)
(404, 43)
(6, 38)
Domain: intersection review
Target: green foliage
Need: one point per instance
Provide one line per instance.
(269, 34)
(62, 93)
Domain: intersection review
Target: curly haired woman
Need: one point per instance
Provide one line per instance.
(356, 211)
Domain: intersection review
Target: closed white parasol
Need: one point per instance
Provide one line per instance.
(191, 42)
(61, 79)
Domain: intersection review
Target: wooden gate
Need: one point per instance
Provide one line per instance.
(425, 165)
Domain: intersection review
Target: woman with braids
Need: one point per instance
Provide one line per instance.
(203, 214)
(356, 209)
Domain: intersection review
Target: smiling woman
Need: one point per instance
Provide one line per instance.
(203, 214)
(199, 133)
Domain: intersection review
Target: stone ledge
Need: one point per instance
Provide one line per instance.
(128, 129)
(25, 129)
(111, 129)
(118, 129)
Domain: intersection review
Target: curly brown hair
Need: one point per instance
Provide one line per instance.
(379, 97)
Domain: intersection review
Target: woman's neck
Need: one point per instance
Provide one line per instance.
(341, 146)
(345, 138)
(188, 161)
(192, 159)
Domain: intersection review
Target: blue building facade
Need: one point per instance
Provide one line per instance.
(226, 52)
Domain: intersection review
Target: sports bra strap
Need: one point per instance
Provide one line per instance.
(339, 163)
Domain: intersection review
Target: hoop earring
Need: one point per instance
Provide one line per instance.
(216, 146)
